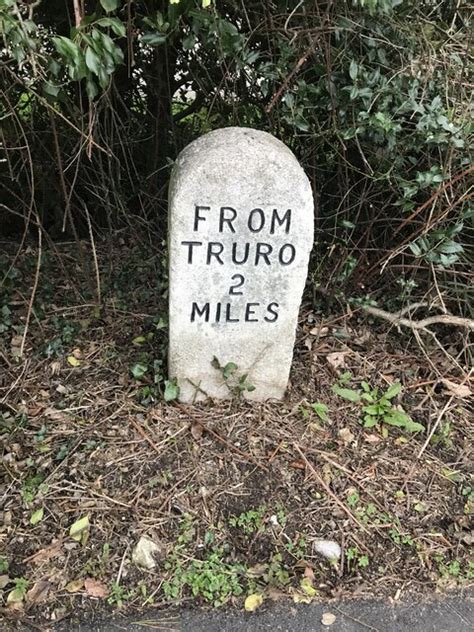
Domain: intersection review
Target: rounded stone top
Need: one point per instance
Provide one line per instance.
(243, 153)
(230, 136)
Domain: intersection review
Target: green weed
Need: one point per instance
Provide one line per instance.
(250, 521)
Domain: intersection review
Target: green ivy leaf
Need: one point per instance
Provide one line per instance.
(138, 370)
(171, 390)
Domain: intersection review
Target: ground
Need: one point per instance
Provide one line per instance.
(235, 496)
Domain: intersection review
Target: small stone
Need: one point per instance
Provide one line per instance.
(328, 618)
(328, 549)
(144, 553)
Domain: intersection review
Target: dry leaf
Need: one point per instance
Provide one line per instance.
(4, 581)
(95, 588)
(73, 361)
(16, 341)
(196, 430)
(79, 530)
(298, 465)
(143, 555)
(299, 596)
(321, 332)
(39, 592)
(55, 367)
(328, 618)
(327, 473)
(457, 390)
(337, 360)
(258, 570)
(307, 587)
(15, 599)
(372, 438)
(37, 516)
(308, 572)
(346, 435)
(253, 602)
(75, 586)
(43, 555)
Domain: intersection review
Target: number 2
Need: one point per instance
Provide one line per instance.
(239, 281)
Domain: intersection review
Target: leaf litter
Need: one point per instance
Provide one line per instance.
(106, 468)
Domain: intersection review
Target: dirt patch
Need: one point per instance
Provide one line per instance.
(236, 495)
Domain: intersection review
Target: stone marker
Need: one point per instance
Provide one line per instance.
(240, 235)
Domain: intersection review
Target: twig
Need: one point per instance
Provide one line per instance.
(140, 430)
(435, 195)
(33, 291)
(277, 96)
(359, 621)
(396, 319)
(435, 426)
(328, 490)
(217, 436)
(94, 254)
(122, 563)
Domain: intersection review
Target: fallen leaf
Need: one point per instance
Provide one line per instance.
(298, 465)
(95, 588)
(16, 341)
(319, 331)
(253, 602)
(143, 555)
(307, 587)
(327, 473)
(74, 586)
(308, 572)
(337, 360)
(73, 361)
(79, 530)
(37, 516)
(196, 430)
(258, 570)
(372, 438)
(328, 618)
(346, 435)
(139, 340)
(46, 554)
(55, 367)
(4, 581)
(39, 592)
(15, 599)
(299, 596)
(457, 390)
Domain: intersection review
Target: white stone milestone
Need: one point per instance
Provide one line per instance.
(240, 235)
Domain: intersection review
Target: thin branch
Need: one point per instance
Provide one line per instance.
(442, 319)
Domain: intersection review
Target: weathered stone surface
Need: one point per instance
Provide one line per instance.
(240, 234)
